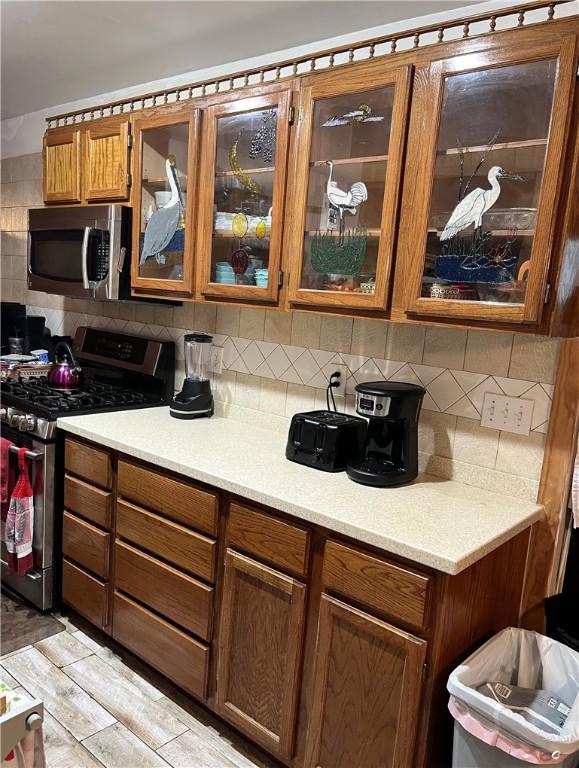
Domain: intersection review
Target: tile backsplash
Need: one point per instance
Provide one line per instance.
(275, 363)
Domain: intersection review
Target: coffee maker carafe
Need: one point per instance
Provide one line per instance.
(195, 398)
(391, 451)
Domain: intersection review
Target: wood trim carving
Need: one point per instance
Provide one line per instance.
(419, 37)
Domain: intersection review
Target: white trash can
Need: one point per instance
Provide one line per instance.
(488, 734)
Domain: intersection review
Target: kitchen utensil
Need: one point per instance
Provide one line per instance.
(195, 398)
(66, 373)
(325, 440)
(390, 455)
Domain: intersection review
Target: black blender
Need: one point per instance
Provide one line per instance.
(391, 452)
(195, 398)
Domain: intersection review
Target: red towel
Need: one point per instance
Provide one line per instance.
(4, 469)
(20, 521)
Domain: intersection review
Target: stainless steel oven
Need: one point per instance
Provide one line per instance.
(80, 251)
(38, 584)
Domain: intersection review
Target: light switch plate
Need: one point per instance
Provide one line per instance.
(217, 359)
(509, 414)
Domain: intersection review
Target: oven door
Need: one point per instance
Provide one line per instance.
(37, 585)
(76, 251)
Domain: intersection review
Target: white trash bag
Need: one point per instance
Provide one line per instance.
(526, 659)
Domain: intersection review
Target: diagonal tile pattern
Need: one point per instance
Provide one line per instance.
(449, 390)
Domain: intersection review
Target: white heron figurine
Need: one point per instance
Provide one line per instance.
(164, 222)
(471, 208)
(345, 202)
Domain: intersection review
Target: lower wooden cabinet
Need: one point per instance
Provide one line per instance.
(260, 645)
(175, 654)
(85, 593)
(367, 688)
(331, 681)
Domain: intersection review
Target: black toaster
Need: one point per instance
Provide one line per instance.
(325, 439)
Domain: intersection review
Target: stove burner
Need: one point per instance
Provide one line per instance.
(93, 395)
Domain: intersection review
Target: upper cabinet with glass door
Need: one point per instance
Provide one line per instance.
(348, 156)
(163, 226)
(241, 203)
(485, 197)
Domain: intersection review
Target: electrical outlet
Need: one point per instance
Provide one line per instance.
(510, 414)
(331, 368)
(217, 359)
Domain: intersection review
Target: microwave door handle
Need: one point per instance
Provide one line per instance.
(84, 257)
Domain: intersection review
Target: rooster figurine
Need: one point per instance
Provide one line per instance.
(345, 202)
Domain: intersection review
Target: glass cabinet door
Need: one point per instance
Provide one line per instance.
(241, 207)
(349, 151)
(162, 220)
(490, 167)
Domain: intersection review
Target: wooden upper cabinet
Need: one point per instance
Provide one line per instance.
(367, 686)
(61, 157)
(241, 199)
(478, 228)
(349, 153)
(260, 647)
(106, 160)
(163, 202)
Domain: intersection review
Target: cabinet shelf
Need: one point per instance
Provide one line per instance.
(250, 171)
(527, 143)
(351, 160)
(232, 236)
(496, 232)
(374, 232)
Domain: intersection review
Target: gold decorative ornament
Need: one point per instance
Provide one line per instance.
(261, 229)
(239, 225)
(242, 176)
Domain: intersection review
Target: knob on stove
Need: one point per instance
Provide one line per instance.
(26, 423)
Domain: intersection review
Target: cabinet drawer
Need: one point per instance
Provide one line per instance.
(86, 545)
(85, 593)
(89, 463)
(166, 590)
(87, 501)
(168, 540)
(375, 583)
(178, 500)
(268, 538)
(168, 649)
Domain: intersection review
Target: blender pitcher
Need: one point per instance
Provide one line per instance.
(195, 398)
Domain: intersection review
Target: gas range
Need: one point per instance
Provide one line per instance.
(119, 372)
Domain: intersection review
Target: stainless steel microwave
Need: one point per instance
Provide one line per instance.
(81, 251)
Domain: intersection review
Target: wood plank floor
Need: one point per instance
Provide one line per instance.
(105, 708)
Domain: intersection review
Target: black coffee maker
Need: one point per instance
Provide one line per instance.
(391, 450)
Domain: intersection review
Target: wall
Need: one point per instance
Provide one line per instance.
(274, 360)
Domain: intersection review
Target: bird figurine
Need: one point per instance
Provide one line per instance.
(471, 208)
(345, 202)
(164, 222)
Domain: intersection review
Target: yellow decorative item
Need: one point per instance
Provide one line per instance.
(239, 225)
(365, 112)
(242, 176)
(261, 229)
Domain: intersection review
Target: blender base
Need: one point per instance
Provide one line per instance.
(193, 401)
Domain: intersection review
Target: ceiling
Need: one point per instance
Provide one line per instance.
(54, 52)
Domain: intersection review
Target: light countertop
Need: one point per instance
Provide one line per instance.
(442, 524)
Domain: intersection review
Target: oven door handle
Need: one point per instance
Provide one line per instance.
(88, 231)
(31, 455)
